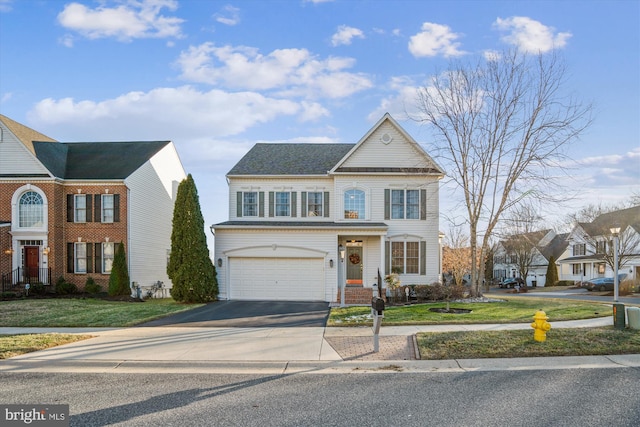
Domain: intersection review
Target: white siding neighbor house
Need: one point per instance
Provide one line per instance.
(64, 206)
(308, 220)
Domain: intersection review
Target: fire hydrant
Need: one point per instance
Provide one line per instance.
(540, 325)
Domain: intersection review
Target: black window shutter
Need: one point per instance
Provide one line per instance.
(89, 211)
(97, 208)
(387, 204)
(116, 208)
(69, 207)
(89, 261)
(271, 202)
(239, 204)
(423, 204)
(261, 204)
(326, 204)
(423, 258)
(70, 263)
(294, 207)
(303, 204)
(98, 258)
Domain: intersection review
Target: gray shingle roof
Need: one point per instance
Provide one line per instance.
(96, 160)
(290, 159)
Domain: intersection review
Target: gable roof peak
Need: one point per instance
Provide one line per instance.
(24, 134)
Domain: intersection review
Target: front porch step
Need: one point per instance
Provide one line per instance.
(357, 295)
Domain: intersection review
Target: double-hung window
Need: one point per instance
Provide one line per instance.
(282, 203)
(107, 208)
(577, 268)
(404, 204)
(108, 250)
(80, 257)
(80, 208)
(250, 203)
(314, 203)
(579, 249)
(405, 257)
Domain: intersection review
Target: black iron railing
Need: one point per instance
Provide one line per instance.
(21, 276)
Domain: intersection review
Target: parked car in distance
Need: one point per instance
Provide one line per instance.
(602, 283)
(511, 282)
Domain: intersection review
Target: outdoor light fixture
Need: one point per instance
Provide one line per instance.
(8, 251)
(46, 250)
(219, 262)
(331, 263)
(341, 251)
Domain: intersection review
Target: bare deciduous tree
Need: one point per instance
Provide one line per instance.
(502, 125)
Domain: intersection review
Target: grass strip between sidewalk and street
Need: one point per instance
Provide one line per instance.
(15, 345)
(520, 343)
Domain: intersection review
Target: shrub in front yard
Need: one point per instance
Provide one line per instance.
(565, 283)
(66, 288)
(91, 287)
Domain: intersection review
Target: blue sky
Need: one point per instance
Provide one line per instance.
(216, 77)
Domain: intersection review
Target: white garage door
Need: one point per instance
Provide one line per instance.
(287, 279)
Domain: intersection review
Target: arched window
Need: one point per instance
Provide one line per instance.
(354, 204)
(30, 210)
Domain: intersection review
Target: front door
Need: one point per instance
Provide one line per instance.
(354, 265)
(31, 262)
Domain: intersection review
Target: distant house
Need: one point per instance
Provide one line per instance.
(529, 253)
(590, 247)
(308, 220)
(64, 207)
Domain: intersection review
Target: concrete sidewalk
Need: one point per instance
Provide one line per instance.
(276, 350)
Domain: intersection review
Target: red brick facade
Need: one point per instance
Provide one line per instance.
(60, 231)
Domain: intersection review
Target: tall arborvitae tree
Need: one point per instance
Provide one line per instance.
(190, 268)
(552, 272)
(119, 278)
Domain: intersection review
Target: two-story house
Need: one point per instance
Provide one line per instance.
(590, 247)
(309, 220)
(528, 254)
(64, 207)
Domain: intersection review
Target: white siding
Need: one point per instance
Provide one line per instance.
(15, 158)
(152, 191)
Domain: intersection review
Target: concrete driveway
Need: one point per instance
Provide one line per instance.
(250, 314)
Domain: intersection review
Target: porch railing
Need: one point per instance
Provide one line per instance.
(21, 276)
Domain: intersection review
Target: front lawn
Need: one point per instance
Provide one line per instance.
(15, 345)
(59, 312)
(512, 310)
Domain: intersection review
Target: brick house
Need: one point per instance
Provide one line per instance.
(65, 206)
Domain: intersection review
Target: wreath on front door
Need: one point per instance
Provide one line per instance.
(354, 258)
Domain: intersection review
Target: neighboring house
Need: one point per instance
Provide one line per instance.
(528, 252)
(306, 220)
(64, 207)
(590, 250)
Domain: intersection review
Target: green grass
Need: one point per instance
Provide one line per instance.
(520, 343)
(512, 310)
(58, 312)
(14, 345)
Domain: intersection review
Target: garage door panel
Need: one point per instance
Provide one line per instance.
(294, 279)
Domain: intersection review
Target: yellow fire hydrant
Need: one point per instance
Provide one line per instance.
(540, 325)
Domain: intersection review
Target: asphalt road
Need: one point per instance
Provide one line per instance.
(575, 397)
(250, 314)
(577, 294)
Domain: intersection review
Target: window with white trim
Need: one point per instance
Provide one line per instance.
(80, 208)
(30, 210)
(108, 205)
(354, 203)
(314, 203)
(250, 203)
(405, 204)
(108, 249)
(579, 249)
(405, 257)
(80, 257)
(282, 203)
(577, 268)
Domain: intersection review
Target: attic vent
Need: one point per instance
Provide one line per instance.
(386, 138)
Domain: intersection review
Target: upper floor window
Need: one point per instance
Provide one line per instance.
(354, 202)
(579, 249)
(405, 204)
(282, 203)
(601, 247)
(80, 207)
(250, 203)
(107, 208)
(31, 210)
(314, 204)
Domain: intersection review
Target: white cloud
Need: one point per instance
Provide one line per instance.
(130, 20)
(163, 113)
(435, 39)
(530, 35)
(402, 103)
(291, 72)
(345, 34)
(228, 16)
(5, 6)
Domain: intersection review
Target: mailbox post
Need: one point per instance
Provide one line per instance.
(377, 309)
